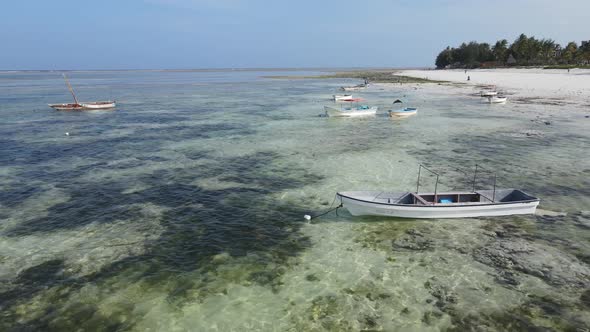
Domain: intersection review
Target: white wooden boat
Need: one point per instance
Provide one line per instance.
(438, 205)
(408, 111)
(95, 105)
(342, 97)
(354, 88)
(452, 204)
(357, 87)
(497, 99)
(99, 104)
(81, 106)
(350, 112)
(484, 93)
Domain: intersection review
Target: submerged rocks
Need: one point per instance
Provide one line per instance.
(444, 295)
(412, 240)
(550, 264)
(323, 307)
(582, 220)
(585, 298)
(548, 213)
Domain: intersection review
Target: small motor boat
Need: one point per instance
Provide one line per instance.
(342, 97)
(497, 99)
(403, 112)
(451, 204)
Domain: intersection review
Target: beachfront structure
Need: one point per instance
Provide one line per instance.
(511, 60)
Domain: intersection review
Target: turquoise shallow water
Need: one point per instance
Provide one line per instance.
(182, 209)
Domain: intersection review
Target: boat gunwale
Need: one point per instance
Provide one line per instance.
(85, 106)
(407, 109)
(443, 205)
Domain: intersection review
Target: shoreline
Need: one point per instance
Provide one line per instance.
(253, 69)
(545, 85)
(374, 76)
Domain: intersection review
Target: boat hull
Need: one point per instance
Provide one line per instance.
(358, 207)
(66, 107)
(342, 97)
(488, 93)
(403, 112)
(333, 112)
(100, 105)
(354, 88)
(497, 100)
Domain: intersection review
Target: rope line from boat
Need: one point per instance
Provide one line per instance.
(330, 209)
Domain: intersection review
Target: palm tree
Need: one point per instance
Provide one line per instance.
(444, 58)
(584, 51)
(520, 48)
(569, 53)
(500, 50)
(548, 47)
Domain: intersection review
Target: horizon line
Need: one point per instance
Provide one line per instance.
(215, 69)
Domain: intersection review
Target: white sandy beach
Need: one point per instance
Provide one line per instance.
(539, 83)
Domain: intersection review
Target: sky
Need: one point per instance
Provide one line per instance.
(191, 34)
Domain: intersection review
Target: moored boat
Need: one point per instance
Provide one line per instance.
(447, 204)
(488, 93)
(95, 105)
(452, 204)
(99, 104)
(66, 107)
(354, 88)
(497, 99)
(403, 112)
(342, 97)
(81, 106)
(349, 112)
(357, 87)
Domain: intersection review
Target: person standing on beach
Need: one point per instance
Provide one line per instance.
(469, 78)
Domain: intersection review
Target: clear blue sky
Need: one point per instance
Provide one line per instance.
(127, 34)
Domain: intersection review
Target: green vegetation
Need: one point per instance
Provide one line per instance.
(376, 76)
(567, 66)
(524, 51)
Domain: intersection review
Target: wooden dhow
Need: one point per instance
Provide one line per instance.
(82, 106)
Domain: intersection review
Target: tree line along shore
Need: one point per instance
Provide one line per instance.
(524, 51)
(373, 76)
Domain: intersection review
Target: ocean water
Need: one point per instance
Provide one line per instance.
(183, 208)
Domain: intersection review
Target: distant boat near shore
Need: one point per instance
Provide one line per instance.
(351, 111)
(488, 93)
(356, 87)
(408, 111)
(342, 97)
(497, 99)
(82, 106)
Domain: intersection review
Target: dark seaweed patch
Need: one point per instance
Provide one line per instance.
(186, 132)
(199, 225)
(14, 194)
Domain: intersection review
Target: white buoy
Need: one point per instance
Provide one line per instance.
(67, 134)
(307, 217)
